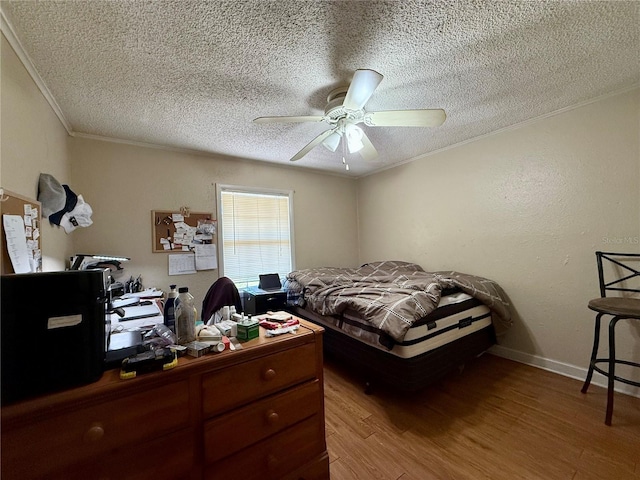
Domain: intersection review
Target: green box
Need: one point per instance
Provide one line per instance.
(247, 330)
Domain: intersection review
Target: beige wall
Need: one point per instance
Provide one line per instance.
(32, 141)
(528, 208)
(123, 183)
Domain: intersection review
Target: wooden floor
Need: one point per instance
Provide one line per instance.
(498, 419)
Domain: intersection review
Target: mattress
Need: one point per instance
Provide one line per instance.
(458, 315)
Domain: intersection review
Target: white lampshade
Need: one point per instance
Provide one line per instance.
(332, 141)
(354, 138)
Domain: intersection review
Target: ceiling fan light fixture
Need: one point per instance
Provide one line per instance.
(354, 136)
(332, 141)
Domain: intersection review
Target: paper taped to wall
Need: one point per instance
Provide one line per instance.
(182, 264)
(20, 255)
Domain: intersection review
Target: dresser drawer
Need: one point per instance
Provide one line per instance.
(37, 449)
(170, 457)
(242, 383)
(227, 434)
(274, 457)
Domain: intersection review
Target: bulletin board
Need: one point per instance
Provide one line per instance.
(31, 212)
(173, 231)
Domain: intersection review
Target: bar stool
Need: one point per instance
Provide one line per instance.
(619, 308)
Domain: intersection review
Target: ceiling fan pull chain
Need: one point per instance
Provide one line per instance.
(344, 154)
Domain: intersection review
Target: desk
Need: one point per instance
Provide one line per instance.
(255, 413)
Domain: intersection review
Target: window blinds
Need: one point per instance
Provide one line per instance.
(256, 235)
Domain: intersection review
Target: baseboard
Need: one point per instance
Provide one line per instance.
(565, 369)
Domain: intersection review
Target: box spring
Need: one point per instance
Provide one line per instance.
(455, 333)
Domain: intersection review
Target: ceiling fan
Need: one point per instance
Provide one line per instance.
(345, 110)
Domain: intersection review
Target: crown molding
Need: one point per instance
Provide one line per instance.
(7, 29)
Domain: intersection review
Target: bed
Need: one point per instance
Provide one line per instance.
(397, 324)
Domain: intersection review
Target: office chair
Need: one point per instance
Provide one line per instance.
(619, 308)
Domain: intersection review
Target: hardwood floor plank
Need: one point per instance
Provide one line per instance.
(603, 466)
(345, 470)
(497, 420)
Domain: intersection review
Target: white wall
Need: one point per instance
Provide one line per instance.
(33, 141)
(528, 208)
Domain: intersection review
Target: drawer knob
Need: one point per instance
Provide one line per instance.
(272, 417)
(269, 374)
(95, 433)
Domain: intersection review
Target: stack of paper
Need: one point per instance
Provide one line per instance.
(137, 316)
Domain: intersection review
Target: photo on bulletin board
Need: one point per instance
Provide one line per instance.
(176, 232)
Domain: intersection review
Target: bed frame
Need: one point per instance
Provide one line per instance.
(378, 367)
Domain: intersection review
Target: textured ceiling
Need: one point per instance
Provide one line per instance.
(193, 74)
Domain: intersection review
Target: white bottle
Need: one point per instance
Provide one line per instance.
(185, 312)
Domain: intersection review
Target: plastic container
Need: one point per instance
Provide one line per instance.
(185, 312)
(169, 309)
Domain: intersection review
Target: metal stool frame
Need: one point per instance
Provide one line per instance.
(608, 308)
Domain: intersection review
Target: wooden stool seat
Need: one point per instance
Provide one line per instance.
(627, 307)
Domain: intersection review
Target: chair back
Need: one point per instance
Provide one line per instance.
(624, 268)
(222, 293)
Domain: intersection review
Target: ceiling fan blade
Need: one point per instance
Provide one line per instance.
(368, 152)
(306, 118)
(405, 118)
(316, 141)
(362, 87)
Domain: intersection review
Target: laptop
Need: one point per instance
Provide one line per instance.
(270, 281)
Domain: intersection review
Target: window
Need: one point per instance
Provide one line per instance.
(256, 233)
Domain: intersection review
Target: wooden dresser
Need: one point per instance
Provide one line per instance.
(253, 413)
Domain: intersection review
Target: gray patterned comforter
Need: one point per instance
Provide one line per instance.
(391, 295)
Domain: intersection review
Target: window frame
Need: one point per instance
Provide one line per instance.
(220, 188)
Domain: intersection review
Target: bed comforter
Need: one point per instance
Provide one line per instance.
(391, 295)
